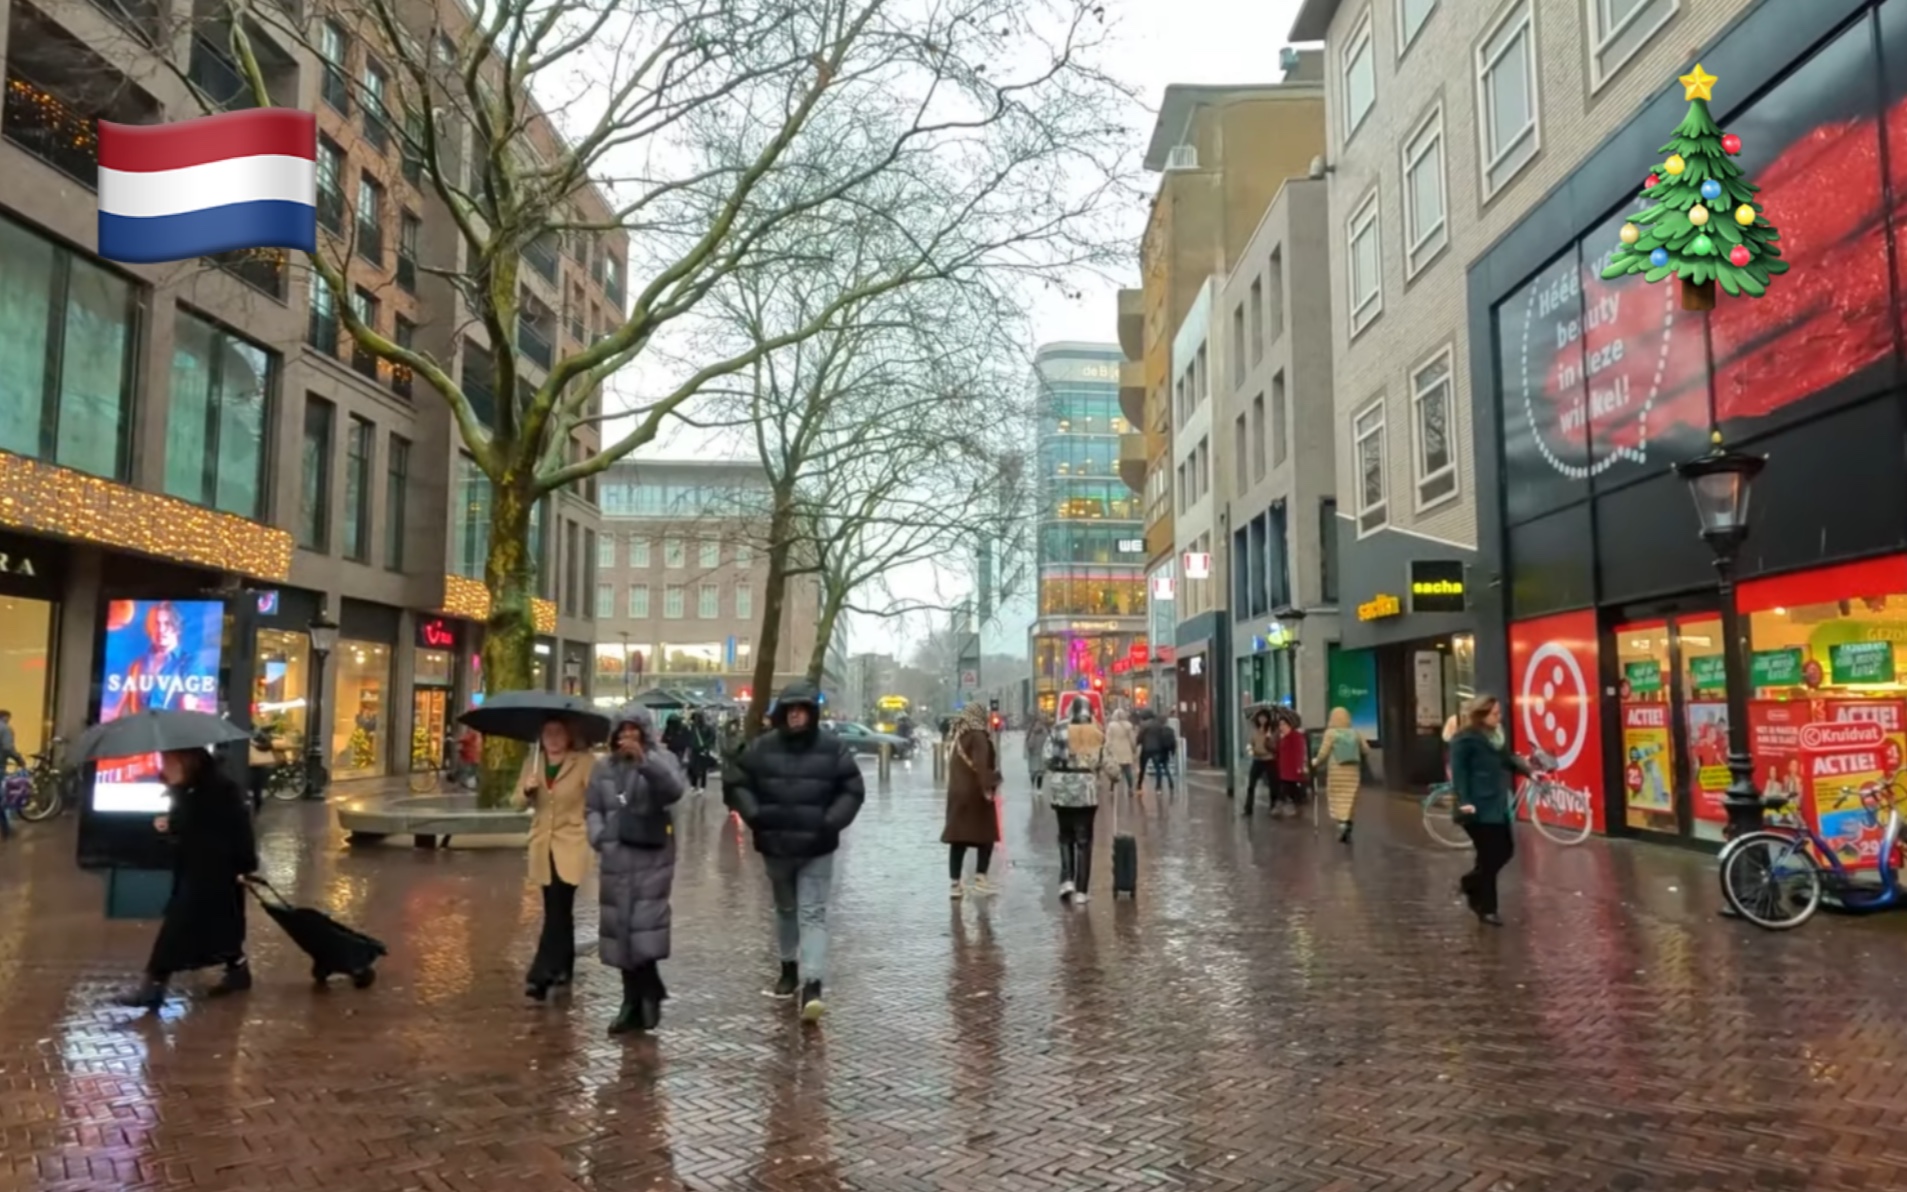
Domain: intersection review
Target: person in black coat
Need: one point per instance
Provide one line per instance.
(675, 738)
(798, 788)
(702, 749)
(214, 852)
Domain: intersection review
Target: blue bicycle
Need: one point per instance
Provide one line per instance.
(1779, 876)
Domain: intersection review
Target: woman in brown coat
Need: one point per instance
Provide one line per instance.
(973, 783)
(555, 782)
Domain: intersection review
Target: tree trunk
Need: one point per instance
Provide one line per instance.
(509, 641)
(824, 634)
(774, 597)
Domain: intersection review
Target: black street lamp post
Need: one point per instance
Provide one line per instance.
(324, 639)
(628, 692)
(1720, 482)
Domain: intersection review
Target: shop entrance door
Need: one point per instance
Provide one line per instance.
(430, 707)
(1671, 717)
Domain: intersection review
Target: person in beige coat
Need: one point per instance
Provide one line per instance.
(1343, 750)
(555, 783)
(1122, 749)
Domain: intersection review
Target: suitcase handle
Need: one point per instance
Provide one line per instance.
(255, 884)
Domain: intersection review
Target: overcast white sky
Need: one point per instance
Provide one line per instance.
(1155, 43)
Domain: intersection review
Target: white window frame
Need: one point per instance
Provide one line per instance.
(638, 552)
(1424, 245)
(1638, 29)
(1363, 313)
(674, 597)
(708, 552)
(1360, 42)
(641, 590)
(744, 601)
(1405, 34)
(1424, 477)
(708, 602)
(1518, 19)
(1368, 423)
(675, 554)
(605, 601)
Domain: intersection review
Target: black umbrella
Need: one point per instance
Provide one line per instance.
(520, 716)
(157, 730)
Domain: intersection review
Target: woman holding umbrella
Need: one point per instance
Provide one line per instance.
(553, 784)
(630, 793)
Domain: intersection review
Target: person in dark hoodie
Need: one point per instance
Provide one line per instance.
(702, 750)
(797, 788)
(675, 737)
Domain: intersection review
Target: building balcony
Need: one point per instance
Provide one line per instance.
(1132, 462)
(1132, 392)
(1132, 323)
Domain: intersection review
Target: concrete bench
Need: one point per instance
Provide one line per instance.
(427, 819)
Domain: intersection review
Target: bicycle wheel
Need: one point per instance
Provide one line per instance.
(1559, 813)
(424, 781)
(286, 784)
(1772, 881)
(1439, 808)
(45, 801)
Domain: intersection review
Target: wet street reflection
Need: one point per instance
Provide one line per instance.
(1274, 1011)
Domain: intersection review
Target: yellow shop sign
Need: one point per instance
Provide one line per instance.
(1378, 607)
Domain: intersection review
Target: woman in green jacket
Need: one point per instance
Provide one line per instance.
(1481, 771)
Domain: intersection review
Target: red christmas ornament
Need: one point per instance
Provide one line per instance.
(1651, 180)
(1731, 144)
(1740, 256)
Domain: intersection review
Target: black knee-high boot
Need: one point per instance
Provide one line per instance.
(629, 1017)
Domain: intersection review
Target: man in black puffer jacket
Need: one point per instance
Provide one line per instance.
(798, 788)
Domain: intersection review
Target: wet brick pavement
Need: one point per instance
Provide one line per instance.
(1275, 1012)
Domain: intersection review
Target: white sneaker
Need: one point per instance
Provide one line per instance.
(980, 885)
(1082, 898)
(958, 891)
(1066, 889)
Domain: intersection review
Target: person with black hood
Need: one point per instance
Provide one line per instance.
(797, 789)
(214, 853)
(675, 737)
(701, 750)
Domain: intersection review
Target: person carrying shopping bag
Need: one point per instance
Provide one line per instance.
(630, 792)
(973, 791)
(1343, 749)
(1482, 771)
(553, 784)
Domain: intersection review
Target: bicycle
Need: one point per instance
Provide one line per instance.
(1561, 813)
(49, 786)
(451, 773)
(1777, 877)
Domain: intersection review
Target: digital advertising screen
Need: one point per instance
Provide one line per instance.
(158, 654)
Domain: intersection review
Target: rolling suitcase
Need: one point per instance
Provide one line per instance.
(333, 947)
(1125, 858)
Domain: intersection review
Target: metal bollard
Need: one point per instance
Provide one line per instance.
(885, 766)
(940, 762)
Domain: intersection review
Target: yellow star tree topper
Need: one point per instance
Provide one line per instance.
(1704, 226)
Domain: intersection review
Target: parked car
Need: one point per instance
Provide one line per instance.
(864, 740)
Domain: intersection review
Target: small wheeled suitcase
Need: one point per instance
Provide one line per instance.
(333, 947)
(1125, 858)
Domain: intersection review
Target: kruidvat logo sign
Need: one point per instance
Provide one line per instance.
(224, 183)
(1857, 735)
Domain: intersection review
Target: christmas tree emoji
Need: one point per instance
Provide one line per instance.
(1705, 226)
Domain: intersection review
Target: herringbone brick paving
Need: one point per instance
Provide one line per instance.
(1276, 1012)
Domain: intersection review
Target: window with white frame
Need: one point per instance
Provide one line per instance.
(1432, 415)
(638, 552)
(605, 600)
(672, 602)
(744, 602)
(1373, 510)
(744, 555)
(1366, 263)
(1426, 230)
(674, 554)
(639, 601)
(708, 602)
(606, 552)
(1507, 111)
(711, 553)
(1411, 15)
(1620, 28)
(1360, 76)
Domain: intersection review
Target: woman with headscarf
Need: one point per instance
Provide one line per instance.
(553, 783)
(973, 786)
(1343, 749)
(1075, 761)
(210, 826)
(630, 827)
(1122, 748)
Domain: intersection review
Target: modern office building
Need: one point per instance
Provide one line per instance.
(1090, 633)
(193, 461)
(681, 580)
(1222, 153)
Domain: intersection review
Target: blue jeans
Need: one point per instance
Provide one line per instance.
(801, 886)
(1159, 768)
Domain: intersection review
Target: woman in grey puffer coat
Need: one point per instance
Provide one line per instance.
(638, 778)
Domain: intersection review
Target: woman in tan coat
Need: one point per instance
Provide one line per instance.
(973, 783)
(1343, 750)
(555, 782)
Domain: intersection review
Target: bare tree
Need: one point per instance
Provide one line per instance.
(944, 141)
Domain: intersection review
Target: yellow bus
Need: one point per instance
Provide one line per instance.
(888, 711)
